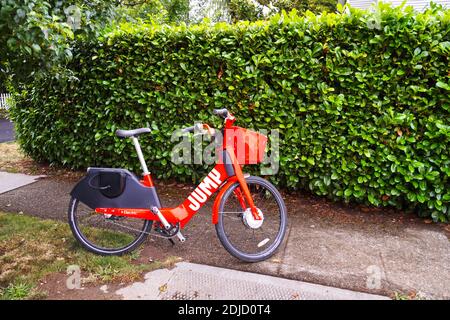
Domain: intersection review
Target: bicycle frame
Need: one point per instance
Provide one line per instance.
(217, 179)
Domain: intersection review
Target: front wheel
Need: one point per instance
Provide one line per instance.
(243, 236)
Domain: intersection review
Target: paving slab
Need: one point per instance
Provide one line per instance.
(11, 181)
(190, 281)
(384, 258)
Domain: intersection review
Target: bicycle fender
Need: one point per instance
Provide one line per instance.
(135, 194)
(228, 184)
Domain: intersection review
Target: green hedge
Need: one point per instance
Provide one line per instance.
(363, 111)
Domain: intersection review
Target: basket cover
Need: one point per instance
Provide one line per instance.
(249, 146)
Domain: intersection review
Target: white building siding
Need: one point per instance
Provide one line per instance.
(361, 4)
(417, 4)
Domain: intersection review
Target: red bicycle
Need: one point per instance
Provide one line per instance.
(111, 211)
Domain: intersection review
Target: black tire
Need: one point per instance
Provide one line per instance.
(138, 237)
(235, 247)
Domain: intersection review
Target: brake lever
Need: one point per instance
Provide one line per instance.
(198, 129)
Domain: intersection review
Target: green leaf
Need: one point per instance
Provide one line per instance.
(391, 158)
(443, 85)
(36, 48)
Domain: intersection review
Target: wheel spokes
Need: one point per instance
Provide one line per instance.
(252, 239)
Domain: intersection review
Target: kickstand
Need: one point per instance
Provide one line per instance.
(172, 242)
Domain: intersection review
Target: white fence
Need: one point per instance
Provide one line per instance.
(3, 102)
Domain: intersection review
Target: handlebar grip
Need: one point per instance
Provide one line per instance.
(188, 129)
(221, 112)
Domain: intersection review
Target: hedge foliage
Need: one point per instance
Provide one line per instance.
(361, 100)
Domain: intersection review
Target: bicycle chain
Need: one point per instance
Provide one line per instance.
(137, 230)
(153, 234)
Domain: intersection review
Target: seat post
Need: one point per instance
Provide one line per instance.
(137, 146)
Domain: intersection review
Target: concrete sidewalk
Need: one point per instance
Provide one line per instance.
(374, 251)
(11, 181)
(190, 281)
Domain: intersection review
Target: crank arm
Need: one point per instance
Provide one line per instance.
(180, 237)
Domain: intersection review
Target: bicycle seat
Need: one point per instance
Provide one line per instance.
(132, 133)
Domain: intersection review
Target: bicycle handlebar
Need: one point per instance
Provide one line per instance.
(221, 113)
(224, 113)
(188, 129)
(200, 128)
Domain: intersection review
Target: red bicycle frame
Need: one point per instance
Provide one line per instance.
(215, 180)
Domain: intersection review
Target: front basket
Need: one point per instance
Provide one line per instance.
(249, 146)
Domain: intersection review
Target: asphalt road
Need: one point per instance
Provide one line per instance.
(6, 131)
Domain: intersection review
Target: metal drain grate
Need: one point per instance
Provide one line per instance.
(189, 281)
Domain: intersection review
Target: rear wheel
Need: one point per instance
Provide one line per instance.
(245, 237)
(106, 234)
